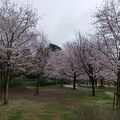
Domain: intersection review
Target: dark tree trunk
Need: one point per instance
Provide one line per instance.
(1, 78)
(7, 69)
(118, 86)
(6, 87)
(6, 93)
(37, 85)
(37, 89)
(1, 93)
(92, 79)
(118, 91)
(5, 73)
(101, 83)
(93, 85)
(74, 81)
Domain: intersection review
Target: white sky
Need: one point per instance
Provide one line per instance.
(61, 18)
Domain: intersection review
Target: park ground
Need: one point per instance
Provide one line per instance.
(56, 103)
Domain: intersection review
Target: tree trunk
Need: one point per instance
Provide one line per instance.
(101, 83)
(1, 84)
(92, 79)
(118, 90)
(93, 85)
(74, 81)
(5, 73)
(118, 86)
(37, 85)
(37, 90)
(5, 87)
(1, 93)
(6, 93)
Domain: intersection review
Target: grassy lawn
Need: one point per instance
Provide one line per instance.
(55, 103)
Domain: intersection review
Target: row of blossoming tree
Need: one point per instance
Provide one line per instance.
(24, 50)
(94, 57)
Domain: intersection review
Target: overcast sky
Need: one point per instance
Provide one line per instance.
(61, 18)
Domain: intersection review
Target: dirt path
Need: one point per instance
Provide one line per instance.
(78, 88)
(46, 94)
(109, 93)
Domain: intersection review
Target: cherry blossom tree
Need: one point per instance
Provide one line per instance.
(107, 21)
(52, 66)
(61, 64)
(17, 29)
(74, 66)
(40, 57)
(87, 57)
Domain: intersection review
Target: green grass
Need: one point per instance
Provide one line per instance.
(67, 105)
